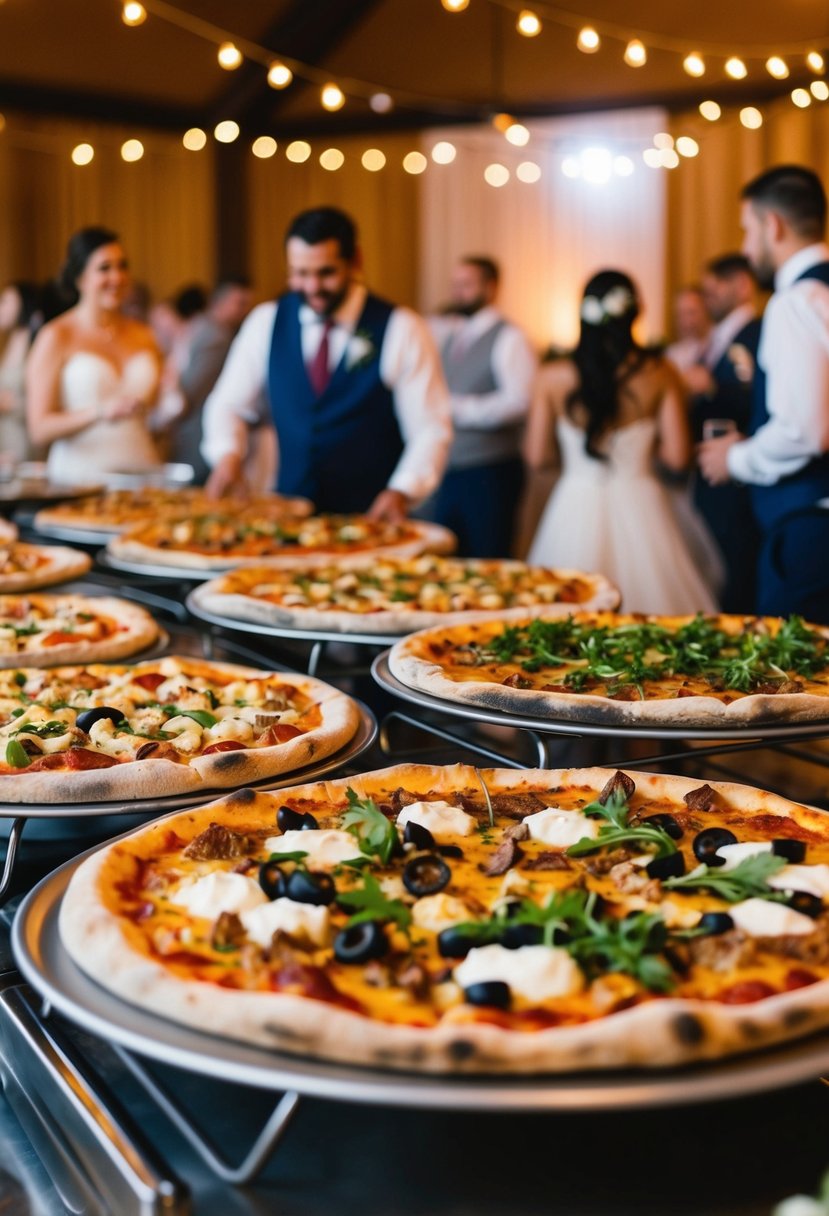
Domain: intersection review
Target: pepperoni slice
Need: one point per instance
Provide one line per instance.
(77, 759)
(278, 733)
(59, 638)
(745, 992)
(224, 745)
(150, 680)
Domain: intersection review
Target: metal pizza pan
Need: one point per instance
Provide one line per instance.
(195, 607)
(473, 713)
(65, 988)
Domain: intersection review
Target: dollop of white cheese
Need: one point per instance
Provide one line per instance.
(735, 853)
(440, 818)
(303, 921)
(326, 847)
(761, 918)
(536, 973)
(559, 828)
(219, 892)
(439, 912)
(814, 879)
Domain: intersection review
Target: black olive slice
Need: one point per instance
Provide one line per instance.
(793, 850)
(305, 887)
(494, 993)
(416, 834)
(289, 820)
(805, 902)
(87, 718)
(666, 822)
(708, 841)
(714, 923)
(670, 866)
(514, 937)
(361, 942)
(426, 875)
(454, 942)
(272, 880)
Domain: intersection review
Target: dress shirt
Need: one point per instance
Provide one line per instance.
(724, 332)
(409, 368)
(794, 353)
(514, 365)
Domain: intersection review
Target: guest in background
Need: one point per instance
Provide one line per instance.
(93, 373)
(604, 415)
(721, 388)
(19, 315)
(358, 400)
(489, 367)
(692, 326)
(785, 459)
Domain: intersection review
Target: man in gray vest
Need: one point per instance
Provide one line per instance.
(489, 366)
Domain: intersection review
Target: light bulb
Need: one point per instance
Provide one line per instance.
(751, 118)
(528, 23)
(694, 64)
(635, 54)
(332, 97)
(298, 151)
(652, 158)
(668, 158)
(588, 40)
(801, 98)
(225, 132)
(528, 171)
(332, 159)
(623, 166)
(686, 146)
(815, 61)
(373, 160)
(279, 75)
(194, 139)
(263, 147)
(229, 56)
(777, 67)
(414, 162)
(496, 175)
(819, 90)
(735, 68)
(133, 13)
(443, 153)
(82, 154)
(710, 110)
(132, 150)
(517, 135)
(381, 103)
(455, 6)
(570, 166)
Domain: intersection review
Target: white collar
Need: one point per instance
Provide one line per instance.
(804, 259)
(724, 333)
(346, 316)
(479, 323)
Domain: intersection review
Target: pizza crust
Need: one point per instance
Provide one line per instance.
(408, 665)
(210, 597)
(60, 565)
(104, 513)
(8, 531)
(660, 1033)
(142, 779)
(136, 631)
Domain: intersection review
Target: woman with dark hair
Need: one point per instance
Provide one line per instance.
(606, 415)
(93, 372)
(19, 314)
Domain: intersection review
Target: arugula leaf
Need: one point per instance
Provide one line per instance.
(747, 880)
(43, 730)
(372, 904)
(298, 856)
(616, 830)
(16, 755)
(198, 715)
(376, 834)
(19, 679)
(631, 944)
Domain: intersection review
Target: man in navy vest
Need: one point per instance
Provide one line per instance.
(359, 404)
(785, 460)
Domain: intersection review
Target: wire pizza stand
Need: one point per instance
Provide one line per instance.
(21, 813)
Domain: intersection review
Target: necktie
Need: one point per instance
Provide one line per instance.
(318, 372)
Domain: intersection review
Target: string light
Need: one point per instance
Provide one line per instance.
(686, 146)
(819, 90)
(264, 147)
(226, 131)
(414, 162)
(711, 110)
(496, 175)
(444, 153)
(298, 151)
(502, 122)
(663, 140)
(652, 158)
(777, 67)
(332, 97)
(455, 6)
(802, 98)
(669, 158)
(570, 167)
(82, 154)
(528, 23)
(635, 54)
(735, 68)
(694, 64)
(623, 166)
(279, 75)
(588, 40)
(528, 171)
(381, 103)
(815, 61)
(332, 159)
(517, 135)
(132, 150)
(751, 118)
(133, 13)
(194, 139)
(229, 56)
(373, 159)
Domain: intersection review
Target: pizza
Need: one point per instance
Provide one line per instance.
(446, 919)
(219, 540)
(398, 595)
(112, 511)
(104, 732)
(8, 531)
(41, 630)
(24, 567)
(605, 668)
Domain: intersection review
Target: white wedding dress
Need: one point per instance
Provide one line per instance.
(122, 446)
(613, 516)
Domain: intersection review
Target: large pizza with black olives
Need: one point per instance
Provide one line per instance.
(398, 595)
(217, 540)
(43, 629)
(448, 920)
(105, 732)
(600, 668)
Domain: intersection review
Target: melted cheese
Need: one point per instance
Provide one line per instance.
(307, 922)
(814, 879)
(559, 829)
(440, 818)
(324, 848)
(219, 892)
(762, 918)
(536, 973)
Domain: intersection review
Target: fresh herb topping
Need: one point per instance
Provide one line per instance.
(198, 715)
(617, 830)
(629, 654)
(16, 755)
(371, 903)
(43, 730)
(376, 834)
(747, 880)
(298, 856)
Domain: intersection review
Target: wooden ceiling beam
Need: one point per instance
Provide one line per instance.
(100, 107)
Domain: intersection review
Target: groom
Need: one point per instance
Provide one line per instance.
(358, 401)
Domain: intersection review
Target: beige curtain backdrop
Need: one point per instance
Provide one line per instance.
(385, 205)
(161, 206)
(703, 195)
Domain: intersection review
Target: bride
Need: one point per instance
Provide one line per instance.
(605, 415)
(93, 373)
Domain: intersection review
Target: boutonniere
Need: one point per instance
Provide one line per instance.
(742, 362)
(361, 350)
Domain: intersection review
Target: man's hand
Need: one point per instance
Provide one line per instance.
(389, 505)
(699, 381)
(226, 477)
(712, 457)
